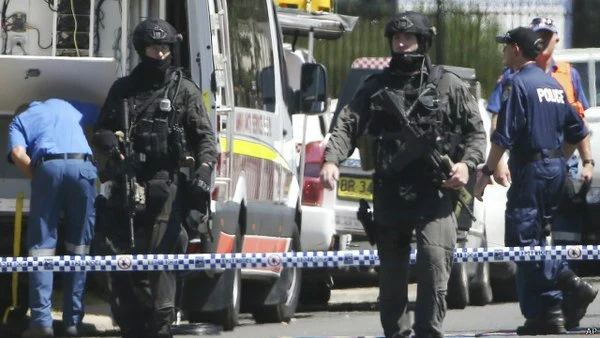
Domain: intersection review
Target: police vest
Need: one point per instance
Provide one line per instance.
(562, 74)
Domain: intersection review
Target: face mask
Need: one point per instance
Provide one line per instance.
(156, 65)
(406, 62)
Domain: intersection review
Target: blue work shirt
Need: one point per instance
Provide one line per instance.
(53, 126)
(495, 99)
(535, 114)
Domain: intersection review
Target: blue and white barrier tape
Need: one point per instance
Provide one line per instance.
(316, 259)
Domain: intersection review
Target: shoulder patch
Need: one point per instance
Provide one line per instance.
(506, 91)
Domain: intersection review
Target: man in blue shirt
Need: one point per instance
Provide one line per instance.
(534, 120)
(47, 143)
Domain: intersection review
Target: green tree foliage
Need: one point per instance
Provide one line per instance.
(468, 40)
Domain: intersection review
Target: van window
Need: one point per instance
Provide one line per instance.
(597, 83)
(582, 69)
(251, 54)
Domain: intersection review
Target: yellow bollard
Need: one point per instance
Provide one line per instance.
(16, 253)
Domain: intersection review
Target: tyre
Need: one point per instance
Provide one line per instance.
(315, 293)
(228, 317)
(505, 290)
(458, 287)
(480, 292)
(289, 280)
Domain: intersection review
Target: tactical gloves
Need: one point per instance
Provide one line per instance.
(202, 179)
(195, 219)
(106, 141)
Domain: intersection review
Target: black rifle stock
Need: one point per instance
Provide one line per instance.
(129, 184)
(420, 146)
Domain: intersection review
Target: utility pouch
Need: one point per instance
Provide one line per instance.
(177, 144)
(161, 137)
(366, 147)
(142, 138)
(157, 193)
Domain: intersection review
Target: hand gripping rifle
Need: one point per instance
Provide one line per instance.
(419, 145)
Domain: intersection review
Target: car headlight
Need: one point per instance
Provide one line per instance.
(593, 196)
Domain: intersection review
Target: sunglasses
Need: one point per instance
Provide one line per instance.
(542, 21)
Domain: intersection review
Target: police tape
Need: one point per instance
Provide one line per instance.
(273, 260)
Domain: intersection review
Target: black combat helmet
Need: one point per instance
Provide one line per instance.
(411, 22)
(153, 31)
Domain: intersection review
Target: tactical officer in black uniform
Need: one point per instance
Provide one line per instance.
(167, 124)
(406, 198)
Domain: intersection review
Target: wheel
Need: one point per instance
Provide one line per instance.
(480, 292)
(458, 287)
(315, 293)
(505, 290)
(227, 317)
(289, 280)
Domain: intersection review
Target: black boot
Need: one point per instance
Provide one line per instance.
(578, 296)
(161, 328)
(550, 322)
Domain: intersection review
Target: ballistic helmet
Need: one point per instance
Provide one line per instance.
(409, 22)
(153, 32)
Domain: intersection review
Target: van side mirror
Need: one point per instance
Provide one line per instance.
(313, 89)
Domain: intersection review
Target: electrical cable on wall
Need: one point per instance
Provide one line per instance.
(39, 37)
(75, 28)
(98, 24)
(3, 23)
(50, 5)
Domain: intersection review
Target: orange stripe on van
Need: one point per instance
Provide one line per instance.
(226, 242)
(259, 244)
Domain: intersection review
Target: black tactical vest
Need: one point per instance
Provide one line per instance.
(156, 131)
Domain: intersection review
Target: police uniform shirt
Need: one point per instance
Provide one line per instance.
(536, 113)
(502, 86)
(48, 128)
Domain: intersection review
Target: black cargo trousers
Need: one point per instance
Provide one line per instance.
(143, 303)
(436, 238)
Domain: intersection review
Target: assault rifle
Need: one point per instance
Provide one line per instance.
(420, 144)
(130, 189)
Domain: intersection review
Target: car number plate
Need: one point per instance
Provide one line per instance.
(355, 188)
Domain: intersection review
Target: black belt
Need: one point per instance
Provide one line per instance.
(66, 156)
(538, 155)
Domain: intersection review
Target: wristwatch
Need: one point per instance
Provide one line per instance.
(590, 161)
(471, 166)
(486, 170)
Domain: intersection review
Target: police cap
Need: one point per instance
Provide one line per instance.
(409, 22)
(528, 40)
(153, 32)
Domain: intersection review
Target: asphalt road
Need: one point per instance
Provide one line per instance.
(353, 313)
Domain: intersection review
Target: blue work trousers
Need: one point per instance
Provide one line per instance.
(533, 198)
(69, 186)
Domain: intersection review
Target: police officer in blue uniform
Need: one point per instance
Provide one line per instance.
(47, 143)
(534, 120)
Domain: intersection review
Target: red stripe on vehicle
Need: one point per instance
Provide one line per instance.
(226, 243)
